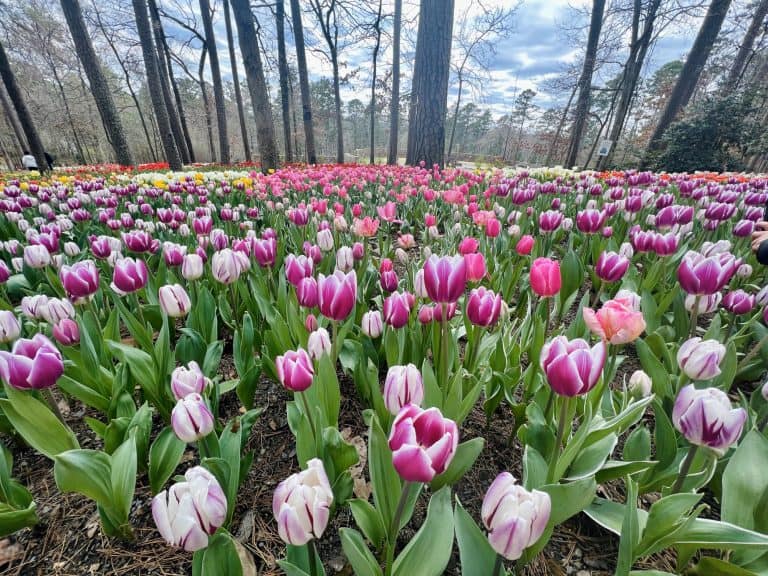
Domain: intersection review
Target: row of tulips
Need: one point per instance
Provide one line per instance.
(596, 311)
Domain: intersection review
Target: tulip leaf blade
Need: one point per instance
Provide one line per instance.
(476, 554)
(164, 456)
(35, 422)
(123, 478)
(429, 551)
(360, 557)
(660, 380)
(384, 478)
(221, 558)
(368, 520)
(464, 458)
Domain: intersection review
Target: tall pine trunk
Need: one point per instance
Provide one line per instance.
(257, 85)
(429, 93)
(98, 83)
(236, 82)
(746, 48)
(153, 83)
(206, 104)
(179, 104)
(13, 121)
(689, 75)
(218, 89)
(377, 28)
(585, 83)
(394, 105)
(282, 65)
(306, 97)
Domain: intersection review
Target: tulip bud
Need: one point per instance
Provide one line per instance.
(192, 267)
(403, 386)
(700, 359)
(514, 517)
(129, 276)
(483, 307)
(397, 309)
(9, 326)
(301, 504)
(67, 332)
(191, 419)
(707, 303)
(525, 245)
(337, 294)
(325, 240)
(188, 380)
(706, 418)
(445, 278)
(310, 323)
(295, 370)
(372, 324)
(572, 368)
(640, 384)
(36, 256)
(56, 309)
(545, 277)
(174, 300)
(319, 344)
(32, 364)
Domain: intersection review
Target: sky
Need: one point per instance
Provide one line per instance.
(536, 51)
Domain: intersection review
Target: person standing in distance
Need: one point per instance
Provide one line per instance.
(28, 161)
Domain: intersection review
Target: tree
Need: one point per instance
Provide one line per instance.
(689, 75)
(306, 97)
(236, 82)
(523, 106)
(153, 82)
(283, 72)
(99, 87)
(429, 93)
(746, 47)
(376, 46)
(394, 103)
(254, 73)
(25, 118)
(218, 90)
(585, 82)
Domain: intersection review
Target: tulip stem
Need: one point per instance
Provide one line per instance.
(497, 568)
(312, 553)
(309, 414)
(395, 527)
(48, 395)
(694, 315)
(684, 469)
(444, 334)
(752, 353)
(334, 346)
(559, 441)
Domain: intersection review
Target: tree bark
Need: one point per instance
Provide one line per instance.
(689, 75)
(282, 65)
(13, 121)
(236, 82)
(429, 94)
(455, 116)
(394, 105)
(560, 124)
(179, 105)
(206, 104)
(162, 71)
(149, 55)
(746, 48)
(98, 83)
(218, 89)
(585, 82)
(306, 98)
(257, 85)
(377, 28)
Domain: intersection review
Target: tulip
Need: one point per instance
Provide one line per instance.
(403, 386)
(129, 276)
(173, 254)
(56, 309)
(423, 443)
(372, 324)
(10, 329)
(174, 300)
(358, 251)
(188, 380)
(295, 370)
(306, 292)
(32, 364)
(366, 227)
(545, 277)
(492, 228)
(387, 276)
(325, 240)
(191, 419)
(80, 280)
(33, 306)
(264, 251)
(640, 384)
(297, 268)
(426, 314)
(525, 245)
(706, 304)
(475, 264)
(514, 517)
(445, 278)
(739, 302)
(192, 267)
(703, 275)
(189, 512)
(550, 221)
(319, 344)
(337, 294)
(590, 221)
(397, 309)
(572, 368)
(700, 359)
(36, 256)
(302, 503)
(66, 332)
(468, 245)
(611, 266)
(706, 418)
(483, 307)
(617, 322)
(5, 273)
(227, 265)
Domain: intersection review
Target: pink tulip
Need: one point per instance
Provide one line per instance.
(66, 332)
(699, 274)
(80, 280)
(366, 227)
(337, 294)
(590, 221)
(475, 264)
(397, 309)
(492, 228)
(617, 322)
(545, 277)
(423, 443)
(611, 266)
(445, 278)
(32, 364)
(468, 245)
(572, 368)
(706, 418)
(306, 292)
(483, 307)
(739, 302)
(402, 386)
(188, 380)
(525, 245)
(129, 276)
(264, 251)
(319, 344)
(388, 212)
(297, 268)
(295, 370)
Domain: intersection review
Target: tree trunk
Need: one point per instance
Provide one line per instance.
(257, 85)
(560, 124)
(306, 98)
(153, 83)
(98, 83)
(394, 105)
(162, 71)
(13, 121)
(429, 94)
(282, 64)
(455, 117)
(689, 75)
(236, 81)
(206, 104)
(68, 113)
(337, 106)
(22, 112)
(179, 104)
(218, 89)
(585, 83)
(746, 49)
(377, 28)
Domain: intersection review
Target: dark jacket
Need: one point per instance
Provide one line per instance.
(762, 249)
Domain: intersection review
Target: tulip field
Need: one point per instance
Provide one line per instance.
(382, 371)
